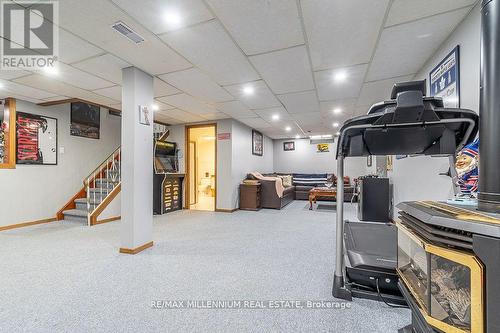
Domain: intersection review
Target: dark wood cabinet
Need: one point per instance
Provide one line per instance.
(250, 196)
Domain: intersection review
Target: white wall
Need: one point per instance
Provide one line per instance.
(306, 159)
(35, 192)
(418, 178)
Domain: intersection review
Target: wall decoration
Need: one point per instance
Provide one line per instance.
(85, 120)
(444, 79)
(257, 143)
(289, 145)
(8, 133)
(389, 163)
(144, 115)
(369, 161)
(323, 147)
(36, 139)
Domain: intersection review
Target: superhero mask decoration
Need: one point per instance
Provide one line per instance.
(467, 169)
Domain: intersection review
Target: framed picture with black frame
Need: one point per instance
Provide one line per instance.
(85, 120)
(36, 139)
(444, 79)
(288, 145)
(257, 143)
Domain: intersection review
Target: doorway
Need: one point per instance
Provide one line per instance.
(201, 162)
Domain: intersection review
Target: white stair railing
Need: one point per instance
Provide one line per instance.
(102, 181)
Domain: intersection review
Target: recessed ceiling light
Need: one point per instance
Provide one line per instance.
(335, 124)
(276, 117)
(288, 128)
(155, 107)
(340, 76)
(248, 90)
(172, 18)
(337, 110)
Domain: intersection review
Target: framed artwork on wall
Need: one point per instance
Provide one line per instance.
(36, 139)
(444, 79)
(85, 120)
(257, 143)
(8, 133)
(389, 163)
(289, 145)
(369, 160)
(323, 147)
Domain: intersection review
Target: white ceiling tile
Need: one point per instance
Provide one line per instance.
(378, 91)
(162, 88)
(209, 47)
(5, 94)
(261, 98)
(346, 107)
(215, 116)
(153, 13)
(301, 102)
(12, 74)
(106, 66)
(196, 83)
(79, 78)
(20, 89)
(73, 48)
(329, 89)
(163, 106)
(55, 98)
(409, 10)
(260, 25)
(335, 38)
(258, 123)
(181, 115)
(165, 119)
(114, 92)
(152, 55)
(236, 109)
(286, 70)
(187, 103)
(403, 49)
(268, 114)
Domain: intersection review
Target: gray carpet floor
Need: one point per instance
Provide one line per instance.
(65, 277)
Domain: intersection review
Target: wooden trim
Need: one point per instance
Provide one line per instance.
(75, 100)
(27, 224)
(186, 160)
(225, 210)
(137, 249)
(95, 214)
(71, 203)
(10, 140)
(111, 219)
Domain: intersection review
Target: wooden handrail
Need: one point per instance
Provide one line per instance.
(100, 208)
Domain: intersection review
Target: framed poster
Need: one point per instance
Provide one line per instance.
(85, 120)
(369, 161)
(257, 143)
(289, 145)
(36, 139)
(444, 79)
(389, 163)
(323, 147)
(144, 115)
(8, 133)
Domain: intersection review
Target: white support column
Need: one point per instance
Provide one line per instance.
(136, 162)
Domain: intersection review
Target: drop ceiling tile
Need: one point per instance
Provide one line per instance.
(196, 83)
(153, 14)
(187, 103)
(209, 47)
(114, 92)
(335, 39)
(5, 94)
(261, 98)
(286, 70)
(161, 88)
(163, 106)
(20, 89)
(215, 116)
(236, 109)
(55, 98)
(73, 48)
(12, 74)
(106, 66)
(268, 114)
(165, 119)
(329, 89)
(181, 115)
(79, 78)
(256, 123)
(409, 10)
(378, 91)
(259, 25)
(152, 55)
(404, 49)
(345, 106)
(301, 102)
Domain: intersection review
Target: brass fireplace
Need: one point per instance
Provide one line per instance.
(446, 282)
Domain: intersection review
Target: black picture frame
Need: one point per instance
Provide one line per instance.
(86, 125)
(23, 143)
(257, 143)
(456, 53)
(289, 145)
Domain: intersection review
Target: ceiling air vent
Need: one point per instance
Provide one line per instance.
(126, 31)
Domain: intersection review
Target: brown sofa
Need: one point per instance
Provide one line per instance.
(268, 196)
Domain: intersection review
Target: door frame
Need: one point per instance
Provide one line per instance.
(187, 205)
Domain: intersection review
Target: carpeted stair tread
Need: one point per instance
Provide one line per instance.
(75, 212)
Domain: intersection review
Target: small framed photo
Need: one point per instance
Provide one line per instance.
(289, 146)
(144, 115)
(257, 143)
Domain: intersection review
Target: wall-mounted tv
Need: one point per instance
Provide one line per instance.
(85, 120)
